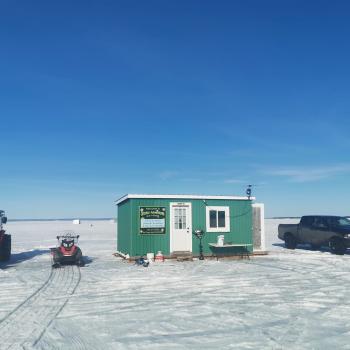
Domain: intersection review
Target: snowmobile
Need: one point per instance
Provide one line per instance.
(67, 252)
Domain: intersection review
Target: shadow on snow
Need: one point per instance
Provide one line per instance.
(88, 259)
(309, 248)
(17, 258)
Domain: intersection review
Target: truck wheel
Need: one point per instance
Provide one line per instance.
(337, 246)
(5, 248)
(290, 241)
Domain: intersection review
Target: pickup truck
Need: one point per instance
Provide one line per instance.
(318, 231)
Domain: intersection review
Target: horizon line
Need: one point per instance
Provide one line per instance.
(61, 219)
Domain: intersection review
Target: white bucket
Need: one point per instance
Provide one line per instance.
(150, 257)
(220, 241)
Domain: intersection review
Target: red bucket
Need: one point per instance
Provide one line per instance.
(159, 257)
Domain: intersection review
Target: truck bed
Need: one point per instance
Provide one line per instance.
(284, 228)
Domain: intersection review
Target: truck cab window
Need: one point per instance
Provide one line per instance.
(342, 222)
(307, 221)
(320, 222)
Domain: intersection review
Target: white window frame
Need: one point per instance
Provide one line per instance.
(227, 219)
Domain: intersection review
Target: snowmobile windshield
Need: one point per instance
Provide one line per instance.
(67, 244)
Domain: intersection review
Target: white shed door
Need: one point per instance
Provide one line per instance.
(181, 227)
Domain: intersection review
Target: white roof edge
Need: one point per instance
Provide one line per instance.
(179, 196)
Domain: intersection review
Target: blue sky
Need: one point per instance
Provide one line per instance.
(103, 98)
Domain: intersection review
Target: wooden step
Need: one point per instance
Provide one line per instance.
(182, 255)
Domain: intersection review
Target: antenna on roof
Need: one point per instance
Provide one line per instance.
(249, 191)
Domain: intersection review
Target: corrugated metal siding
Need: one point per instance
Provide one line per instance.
(134, 243)
(124, 227)
(240, 223)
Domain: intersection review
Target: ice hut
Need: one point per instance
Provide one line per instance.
(167, 223)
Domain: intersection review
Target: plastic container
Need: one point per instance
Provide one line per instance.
(150, 257)
(220, 241)
(159, 257)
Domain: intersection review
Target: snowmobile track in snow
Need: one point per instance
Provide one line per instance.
(294, 333)
(24, 326)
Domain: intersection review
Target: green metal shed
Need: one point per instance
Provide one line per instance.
(149, 223)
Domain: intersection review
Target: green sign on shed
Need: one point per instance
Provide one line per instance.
(152, 220)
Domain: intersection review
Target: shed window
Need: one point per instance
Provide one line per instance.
(221, 218)
(218, 219)
(213, 220)
(180, 218)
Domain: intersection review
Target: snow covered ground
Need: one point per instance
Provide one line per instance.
(286, 300)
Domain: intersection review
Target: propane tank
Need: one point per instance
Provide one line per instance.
(159, 257)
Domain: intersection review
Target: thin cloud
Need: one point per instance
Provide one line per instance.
(305, 174)
(166, 175)
(191, 179)
(234, 181)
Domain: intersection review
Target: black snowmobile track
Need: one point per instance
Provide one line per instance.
(25, 325)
